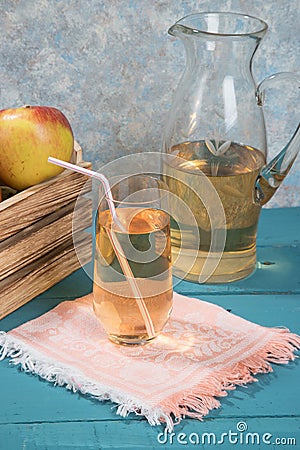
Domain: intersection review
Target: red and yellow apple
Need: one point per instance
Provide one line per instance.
(28, 136)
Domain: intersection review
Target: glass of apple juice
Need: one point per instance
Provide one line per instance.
(132, 262)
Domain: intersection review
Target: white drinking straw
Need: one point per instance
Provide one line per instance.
(113, 238)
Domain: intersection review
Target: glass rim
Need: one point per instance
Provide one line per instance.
(161, 187)
(263, 25)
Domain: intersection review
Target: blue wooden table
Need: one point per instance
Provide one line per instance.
(36, 415)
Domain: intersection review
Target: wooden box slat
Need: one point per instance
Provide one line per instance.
(36, 244)
(25, 208)
(42, 236)
(42, 274)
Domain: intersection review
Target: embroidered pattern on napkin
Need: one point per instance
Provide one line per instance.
(203, 352)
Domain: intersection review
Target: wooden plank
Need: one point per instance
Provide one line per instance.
(41, 237)
(41, 274)
(139, 435)
(279, 226)
(281, 249)
(30, 205)
(281, 276)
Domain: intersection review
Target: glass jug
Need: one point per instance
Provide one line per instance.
(216, 132)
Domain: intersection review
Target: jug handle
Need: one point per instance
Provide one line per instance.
(274, 172)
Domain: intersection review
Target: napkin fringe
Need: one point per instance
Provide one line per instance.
(31, 362)
(194, 403)
(199, 400)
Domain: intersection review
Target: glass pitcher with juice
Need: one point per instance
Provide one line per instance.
(216, 131)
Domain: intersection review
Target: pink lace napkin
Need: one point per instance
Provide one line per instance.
(203, 352)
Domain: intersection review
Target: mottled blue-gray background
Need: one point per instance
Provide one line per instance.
(111, 67)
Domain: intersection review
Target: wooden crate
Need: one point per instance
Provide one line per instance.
(36, 243)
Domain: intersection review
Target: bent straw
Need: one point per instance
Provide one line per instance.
(113, 238)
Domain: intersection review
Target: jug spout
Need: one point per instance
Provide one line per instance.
(273, 174)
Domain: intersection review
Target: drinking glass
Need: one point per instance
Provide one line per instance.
(132, 262)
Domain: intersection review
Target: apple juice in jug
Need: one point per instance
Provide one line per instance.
(233, 176)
